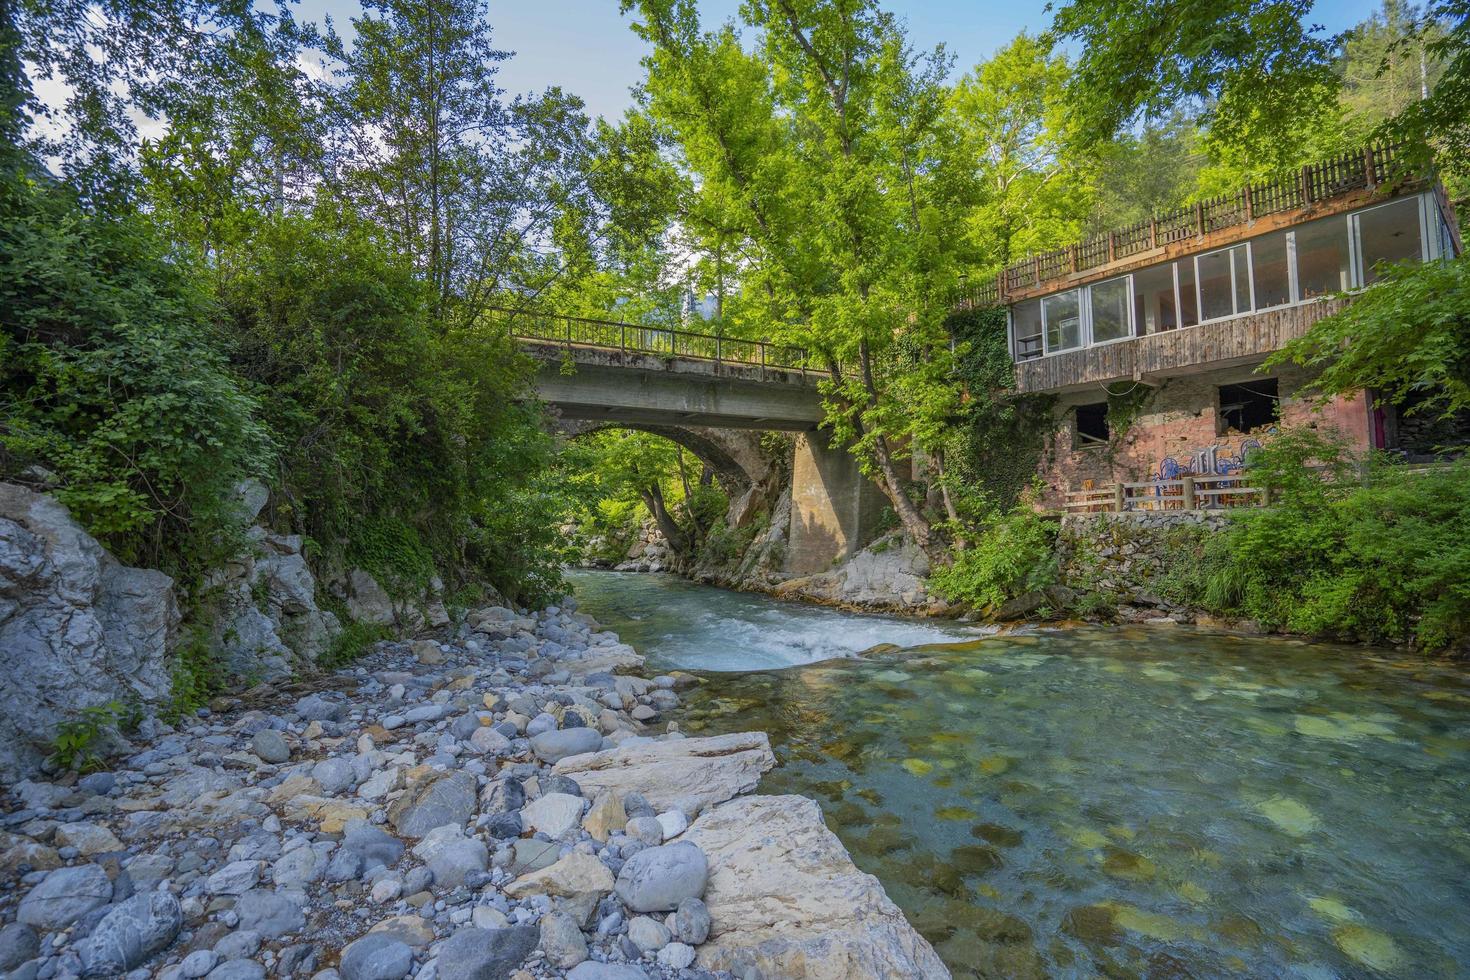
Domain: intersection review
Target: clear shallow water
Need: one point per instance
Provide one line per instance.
(1125, 802)
(696, 627)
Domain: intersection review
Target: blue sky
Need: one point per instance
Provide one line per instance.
(587, 48)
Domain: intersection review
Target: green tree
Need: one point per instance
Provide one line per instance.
(823, 147)
(1009, 119)
(115, 392)
(1436, 127)
(1408, 336)
(1147, 173)
(468, 183)
(1257, 71)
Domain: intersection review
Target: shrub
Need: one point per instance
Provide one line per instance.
(407, 446)
(1383, 561)
(1013, 555)
(112, 378)
(79, 740)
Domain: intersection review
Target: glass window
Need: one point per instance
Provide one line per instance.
(1224, 287)
(1271, 271)
(1387, 235)
(1241, 256)
(1188, 300)
(1321, 257)
(1110, 311)
(1026, 329)
(1063, 321)
(1153, 299)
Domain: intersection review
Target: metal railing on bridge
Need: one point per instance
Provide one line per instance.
(586, 332)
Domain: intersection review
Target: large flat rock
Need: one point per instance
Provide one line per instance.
(784, 896)
(688, 774)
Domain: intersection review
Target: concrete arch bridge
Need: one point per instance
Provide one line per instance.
(714, 396)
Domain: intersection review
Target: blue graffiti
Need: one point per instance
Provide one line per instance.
(1216, 460)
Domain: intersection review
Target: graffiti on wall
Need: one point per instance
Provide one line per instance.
(1215, 460)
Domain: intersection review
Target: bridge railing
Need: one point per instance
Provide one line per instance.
(576, 331)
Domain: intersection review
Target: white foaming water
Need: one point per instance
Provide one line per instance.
(678, 624)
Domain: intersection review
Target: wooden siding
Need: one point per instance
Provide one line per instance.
(1188, 350)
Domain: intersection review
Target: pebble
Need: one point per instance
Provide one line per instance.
(692, 921)
(562, 941)
(659, 878)
(376, 956)
(648, 934)
(673, 823)
(270, 746)
(132, 932)
(429, 752)
(64, 896)
(198, 963)
(18, 943)
(646, 829)
(472, 952)
(676, 956)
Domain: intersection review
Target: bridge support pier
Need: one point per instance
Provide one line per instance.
(834, 508)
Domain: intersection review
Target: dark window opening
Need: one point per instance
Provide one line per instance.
(1420, 433)
(1249, 406)
(1092, 425)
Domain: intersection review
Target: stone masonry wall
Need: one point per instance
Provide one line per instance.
(1180, 421)
(1124, 556)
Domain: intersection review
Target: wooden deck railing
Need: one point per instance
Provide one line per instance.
(1185, 493)
(1223, 492)
(1326, 179)
(586, 332)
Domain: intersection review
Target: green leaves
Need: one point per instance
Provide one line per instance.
(1381, 560)
(1408, 336)
(114, 379)
(1013, 555)
(1253, 62)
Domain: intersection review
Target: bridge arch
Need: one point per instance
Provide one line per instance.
(735, 455)
(714, 397)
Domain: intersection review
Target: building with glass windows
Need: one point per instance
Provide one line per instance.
(1173, 318)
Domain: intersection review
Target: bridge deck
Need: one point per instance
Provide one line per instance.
(583, 333)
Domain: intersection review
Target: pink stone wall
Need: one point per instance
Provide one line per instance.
(1182, 423)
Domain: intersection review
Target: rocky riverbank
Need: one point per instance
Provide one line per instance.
(502, 800)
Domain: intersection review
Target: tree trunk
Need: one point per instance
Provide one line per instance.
(960, 544)
(653, 499)
(688, 494)
(892, 486)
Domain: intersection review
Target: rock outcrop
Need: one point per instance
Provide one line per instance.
(367, 601)
(266, 619)
(784, 897)
(890, 573)
(686, 774)
(77, 628)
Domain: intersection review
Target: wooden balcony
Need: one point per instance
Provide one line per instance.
(1190, 350)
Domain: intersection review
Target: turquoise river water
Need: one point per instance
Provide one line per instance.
(1127, 802)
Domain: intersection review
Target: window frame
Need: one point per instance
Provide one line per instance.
(1078, 444)
(1357, 273)
(1082, 324)
(1199, 297)
(1013, 340)
(1432, 229)
(1291, 289)
(1132, 328)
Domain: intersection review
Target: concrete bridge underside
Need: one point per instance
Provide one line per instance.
(717, 412)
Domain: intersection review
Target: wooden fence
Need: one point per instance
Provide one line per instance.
(1224, 492)
(1185, 493)
(1343, 174)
